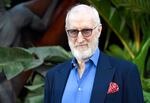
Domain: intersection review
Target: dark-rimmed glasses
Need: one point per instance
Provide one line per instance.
(86, 32)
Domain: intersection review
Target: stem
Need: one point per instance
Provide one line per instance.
(136, 33)
(107, 39)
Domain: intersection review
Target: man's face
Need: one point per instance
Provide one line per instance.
(83, 46)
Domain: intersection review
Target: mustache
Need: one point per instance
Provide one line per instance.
(80, 45)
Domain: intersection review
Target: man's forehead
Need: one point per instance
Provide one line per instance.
(81, 9)
(81, 21)
(81, 15)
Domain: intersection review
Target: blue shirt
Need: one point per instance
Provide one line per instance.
(78, 90)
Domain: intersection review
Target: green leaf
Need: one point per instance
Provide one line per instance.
(38, 79)
(35, 99)
(116, 51)
(145, 26)
(15, 60)
(51, 53)
(34, 87)
(148, 65)
(12, 69)
(146, 84)
(140, 59)
(146, 97)
(38, 82)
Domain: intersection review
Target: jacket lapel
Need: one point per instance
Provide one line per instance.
(60, 81)
(104, 75)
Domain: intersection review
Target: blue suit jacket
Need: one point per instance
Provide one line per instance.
(109, 69)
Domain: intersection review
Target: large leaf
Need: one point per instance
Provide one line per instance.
(15, 60)
(51, 54)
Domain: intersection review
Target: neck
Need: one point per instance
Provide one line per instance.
(81, 68)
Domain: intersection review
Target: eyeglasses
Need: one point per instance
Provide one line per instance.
(86, 32)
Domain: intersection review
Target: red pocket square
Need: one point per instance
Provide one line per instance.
(113, 87)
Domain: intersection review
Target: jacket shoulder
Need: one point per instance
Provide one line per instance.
(120, 64)
(58, 67)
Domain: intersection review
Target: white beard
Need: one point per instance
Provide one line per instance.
(84, 53)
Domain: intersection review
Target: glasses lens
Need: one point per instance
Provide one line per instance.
(73, 32)
(86, 32)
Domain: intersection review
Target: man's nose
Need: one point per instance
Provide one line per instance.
(80, 37)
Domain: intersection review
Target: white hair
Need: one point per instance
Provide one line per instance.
(84, 8)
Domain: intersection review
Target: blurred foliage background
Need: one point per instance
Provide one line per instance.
(126, 35)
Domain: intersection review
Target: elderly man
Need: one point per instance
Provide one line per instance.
(91, 76)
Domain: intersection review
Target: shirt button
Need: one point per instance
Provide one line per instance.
(74, 65)
(79, 89)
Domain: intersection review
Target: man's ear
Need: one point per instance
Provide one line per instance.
(99, 30)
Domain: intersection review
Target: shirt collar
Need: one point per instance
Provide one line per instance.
(94, 58)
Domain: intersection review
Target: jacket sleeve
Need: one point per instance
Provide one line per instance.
(133, 88)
